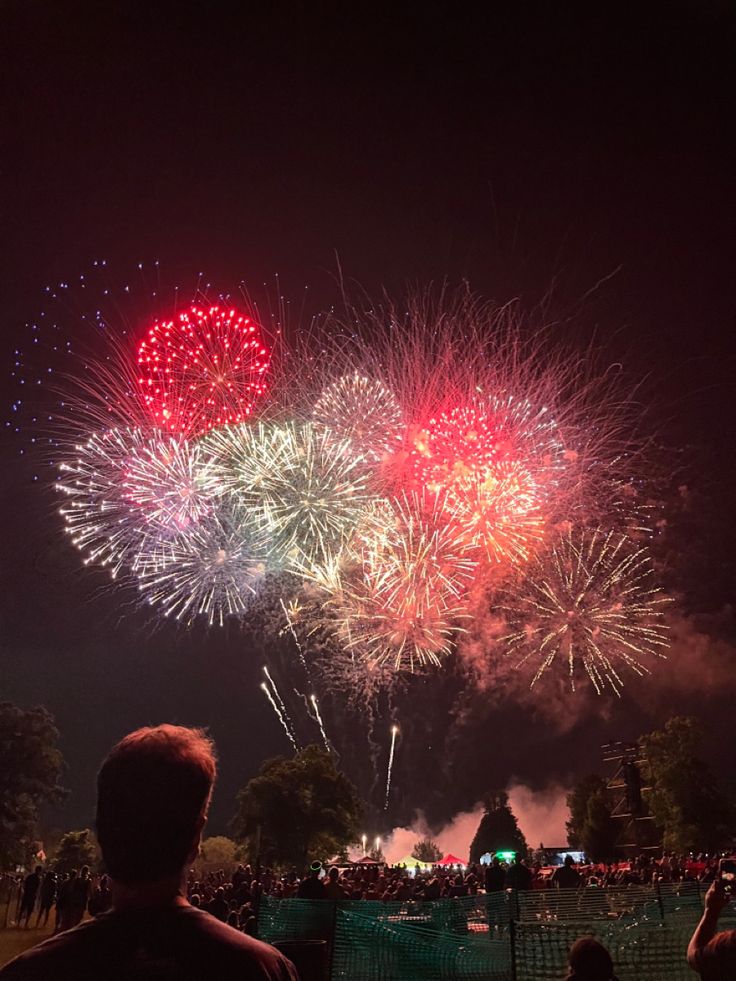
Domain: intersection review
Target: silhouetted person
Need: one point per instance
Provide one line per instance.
(31, 885)
(711, 954)
(101, 899)
(312, 887)
(153, 792)
(589, 961)
(518, 875)
(78, 897)
(566, 876)
(218, 906)
(495, 877)
(65, 903)
(47, 898)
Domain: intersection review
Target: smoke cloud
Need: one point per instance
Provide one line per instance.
(541, 815)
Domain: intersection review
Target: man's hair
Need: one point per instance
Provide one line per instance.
(152, 790)
(718, 959)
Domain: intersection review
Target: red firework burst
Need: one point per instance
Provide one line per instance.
(204, 368)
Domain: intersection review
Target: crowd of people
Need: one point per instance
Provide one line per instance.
(151, 910)
(233, 896)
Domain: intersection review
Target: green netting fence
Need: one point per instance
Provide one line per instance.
(500, 937)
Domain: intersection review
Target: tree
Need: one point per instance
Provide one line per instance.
(298, 809)
(498, 830)
(30, 769)
(218, 851)
(76, 848)
(426, 850)
(590, 826)
(577, 801)
(684, 801)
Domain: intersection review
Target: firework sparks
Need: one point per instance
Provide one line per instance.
(590, 599)
(282, 706)
(169, 479)
(362, 411)
(98, 513)
(389, 769)
(267, 691)
(320, 723)
(402, 599)
(307, 489)
(204, 368)
(210, 570)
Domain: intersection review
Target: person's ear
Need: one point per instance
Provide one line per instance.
(197, 840)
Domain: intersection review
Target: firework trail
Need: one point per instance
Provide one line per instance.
(293, 633)
(279, 716)
(394, 732)
(280, 701)
(320, 723)
(589, 599)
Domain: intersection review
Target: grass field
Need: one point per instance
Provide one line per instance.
(14, 941)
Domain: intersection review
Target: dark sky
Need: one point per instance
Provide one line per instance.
(521, 146)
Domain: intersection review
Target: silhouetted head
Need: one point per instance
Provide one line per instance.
(589, 961)
(153, 791)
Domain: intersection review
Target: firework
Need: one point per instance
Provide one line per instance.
(307, 489)
(279, 715)
(169, 479)
(401, 598)
(320, 723)
(98, 513)
(204, 368)
(389, 769)
(362, 411)
(210, 570)
(589, 600)
(281, 710)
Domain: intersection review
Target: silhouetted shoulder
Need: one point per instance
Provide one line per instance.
(181, 944)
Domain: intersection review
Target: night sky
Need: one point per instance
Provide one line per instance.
(530, 147)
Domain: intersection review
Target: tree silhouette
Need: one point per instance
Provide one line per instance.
(297, 810)
(426, 850)
(498, 830)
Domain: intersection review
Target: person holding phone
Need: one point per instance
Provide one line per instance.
(712, 954)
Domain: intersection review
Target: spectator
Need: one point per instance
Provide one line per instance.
(153, 793)
(312, 887)
(48, 895)
(79, 897)
(31, 885)
(218, 906)
(589, 961)
(101, 899)
(518, 876)
(333, 886)
(495, 876)
(64, 902)
(711, 954)
(567, 876)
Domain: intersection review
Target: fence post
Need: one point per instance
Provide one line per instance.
(513, 900)
(659, 898)
(333, 934)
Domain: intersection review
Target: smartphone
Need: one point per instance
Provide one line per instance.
(727, 873)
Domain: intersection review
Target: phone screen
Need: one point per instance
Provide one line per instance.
(727, 873)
